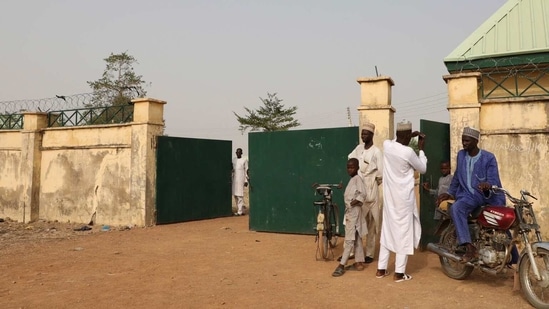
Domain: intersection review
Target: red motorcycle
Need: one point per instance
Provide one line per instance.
(489, 227)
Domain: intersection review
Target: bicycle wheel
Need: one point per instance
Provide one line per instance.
(323, 244)
(334, 225)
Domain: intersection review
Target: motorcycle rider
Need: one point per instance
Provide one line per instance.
(476, 172)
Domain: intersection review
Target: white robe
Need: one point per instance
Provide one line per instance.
(240, 166)
(370, 170)
(400, 229)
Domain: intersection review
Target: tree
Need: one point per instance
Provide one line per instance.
(119, 83)
(270, 117)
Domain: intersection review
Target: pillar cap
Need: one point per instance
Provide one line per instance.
(34, 113)
(461, 75)
(375, 79)
(140, 100)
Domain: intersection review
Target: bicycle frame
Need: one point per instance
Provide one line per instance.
(327, 219)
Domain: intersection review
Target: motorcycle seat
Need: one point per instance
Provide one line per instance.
(472, 216)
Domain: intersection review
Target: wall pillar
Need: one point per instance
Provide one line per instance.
(148, 123)
(31, 156)
(375, 107)
(463, 106)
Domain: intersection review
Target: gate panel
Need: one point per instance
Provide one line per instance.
(193, 179)
(284, 165)
(437, 150)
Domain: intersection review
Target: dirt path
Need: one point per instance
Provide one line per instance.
(213, 264)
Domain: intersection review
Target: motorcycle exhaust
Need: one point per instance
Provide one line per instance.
(489, 271)
(443, 252)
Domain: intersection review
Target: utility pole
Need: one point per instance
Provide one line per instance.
(349, 117)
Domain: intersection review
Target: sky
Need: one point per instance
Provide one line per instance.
(210, 58)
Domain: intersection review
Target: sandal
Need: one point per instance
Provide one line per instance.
(356, 266)
(399, 277)
(339, 271)
(382, 273)
(470, 255)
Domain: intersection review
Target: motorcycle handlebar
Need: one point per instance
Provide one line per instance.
(528, 194)
(522, 192)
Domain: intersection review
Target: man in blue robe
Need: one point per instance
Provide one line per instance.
(476, 172)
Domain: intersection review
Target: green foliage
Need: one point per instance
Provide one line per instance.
(272, 116)
(119, 83)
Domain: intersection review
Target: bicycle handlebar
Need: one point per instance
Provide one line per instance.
(334, 185)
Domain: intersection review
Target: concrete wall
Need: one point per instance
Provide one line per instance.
(375, 107)
(72, 173)
(11, 188)
(516, 130)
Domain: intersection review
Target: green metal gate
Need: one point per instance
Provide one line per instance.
(437, 150)
(192, 179)
(284, 165)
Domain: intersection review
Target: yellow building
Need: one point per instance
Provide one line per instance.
(499, 83)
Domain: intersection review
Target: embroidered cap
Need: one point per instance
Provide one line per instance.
(369, 127)
(404, 125)
(471, 132)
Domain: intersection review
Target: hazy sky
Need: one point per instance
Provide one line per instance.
(210, 58)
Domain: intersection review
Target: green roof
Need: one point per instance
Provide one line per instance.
(519, 27)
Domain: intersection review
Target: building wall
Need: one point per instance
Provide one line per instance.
(516, 130)
(84, 171)
(514, 116)
(72, 173)
(11, 188)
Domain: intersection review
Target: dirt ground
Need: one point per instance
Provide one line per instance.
(215, 263)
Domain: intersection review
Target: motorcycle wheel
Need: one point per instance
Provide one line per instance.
(536, 291)
(452, 269)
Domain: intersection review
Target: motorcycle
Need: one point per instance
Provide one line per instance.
(490, 228)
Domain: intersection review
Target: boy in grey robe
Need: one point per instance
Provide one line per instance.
(355, 223)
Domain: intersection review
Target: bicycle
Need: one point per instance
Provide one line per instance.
(327, 220)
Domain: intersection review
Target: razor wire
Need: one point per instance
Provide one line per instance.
(59, 102)
(509, 77)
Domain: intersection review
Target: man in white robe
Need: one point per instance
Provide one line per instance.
(240, 180)
(400, 229)
(370, 159)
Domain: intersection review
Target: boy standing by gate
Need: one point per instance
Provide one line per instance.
(355, 223)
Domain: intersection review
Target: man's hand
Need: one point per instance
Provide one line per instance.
(426, 186)
(245, 184)
(484, 186)
(421, 139)
(421, 144)
(444, 197)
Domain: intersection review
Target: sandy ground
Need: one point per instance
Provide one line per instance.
(215, 263)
